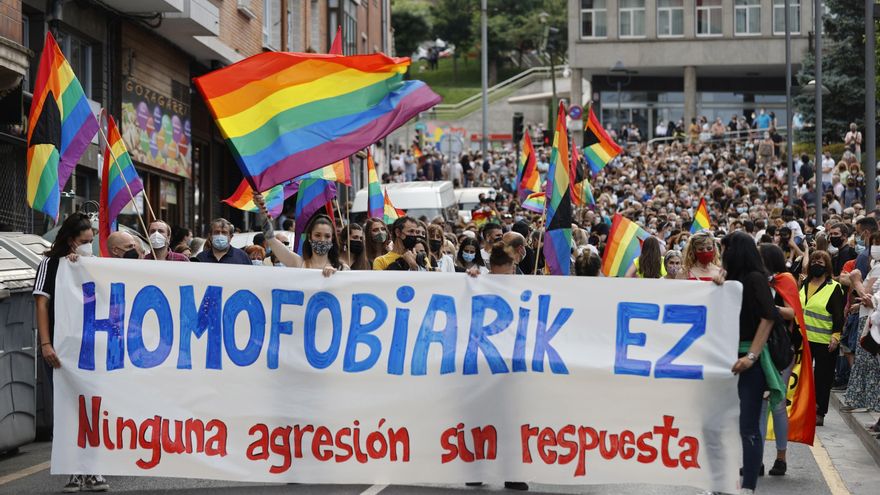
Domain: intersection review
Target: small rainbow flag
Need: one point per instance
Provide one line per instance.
(287, 114)
(60, 127)
(375, 201)
(390, 212)
(337, 172)
(557, 235)
(243, 197)
(528, 180)
(535, 202)
(599, 148)
(581, 191)
(623, 246)
(701, 218)
(416, 151)
(311, 196)
(115, 175)
(481, 217)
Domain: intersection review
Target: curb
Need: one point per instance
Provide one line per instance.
(856, 421)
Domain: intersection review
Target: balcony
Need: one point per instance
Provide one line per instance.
(195, 29)
(146, 6)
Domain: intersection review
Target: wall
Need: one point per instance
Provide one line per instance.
(243, 34)
(156, 62)
(10, 20)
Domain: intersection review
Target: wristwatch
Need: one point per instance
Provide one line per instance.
(752, 357)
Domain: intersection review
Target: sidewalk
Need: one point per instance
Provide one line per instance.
(858, 423)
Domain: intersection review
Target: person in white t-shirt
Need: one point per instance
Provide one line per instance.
(827, 170)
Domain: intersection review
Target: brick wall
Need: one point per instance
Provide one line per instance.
(10, 20)
(156, 62)
(243, 34)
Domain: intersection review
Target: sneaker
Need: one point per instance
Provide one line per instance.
(74, 484)
(779, 468)
(95, 483)
(746, 491)
(820, 420)
(516, 485)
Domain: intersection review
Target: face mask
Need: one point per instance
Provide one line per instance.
(436, 245)
(157, 240)
(705, 257)
(256, 262)
(836, 241)
(131, 254)
(321, 248)
(832, 250)
(357, 247)
(380, 237)
(409, 241)
(469, 257)
(860, 248)
(740, 210)
(220, 242)
(421, 258)
(817, 271)
(875, 253)
(84, 249)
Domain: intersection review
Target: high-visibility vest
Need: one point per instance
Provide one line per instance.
(819, 322)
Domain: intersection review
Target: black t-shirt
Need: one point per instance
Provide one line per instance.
(44, 285)
(845, 254)
(757, 304)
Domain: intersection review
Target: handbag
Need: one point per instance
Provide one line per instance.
(779, 344)
(871, 341)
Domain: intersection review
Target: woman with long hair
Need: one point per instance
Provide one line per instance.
(436, 238)
(352, 242)
(376, 239)
(319, 248)
(469, 255)
(823, 302)
(700, 259)
(74, 239)
(649, 264)
(672, 263)
(743, 264)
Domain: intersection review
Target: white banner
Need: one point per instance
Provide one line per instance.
(281, 375)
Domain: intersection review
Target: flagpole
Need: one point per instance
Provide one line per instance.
(539, 248)
(339, 210)
(127, 187)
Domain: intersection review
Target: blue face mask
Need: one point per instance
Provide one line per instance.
(740, 210)
(220, 242)
(469, 257)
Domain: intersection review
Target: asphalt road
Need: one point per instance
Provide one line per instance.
(840, 466)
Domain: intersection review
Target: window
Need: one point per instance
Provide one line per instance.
(708, 17)
(794, 16)
(272, 24)
(747, 17)
(349, 27)
(632, 18)
(78, 53)
(670, 18)
(594, 23)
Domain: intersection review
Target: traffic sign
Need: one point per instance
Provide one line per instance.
(576, 112)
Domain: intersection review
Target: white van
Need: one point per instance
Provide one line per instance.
(468, 198)
(418, 199)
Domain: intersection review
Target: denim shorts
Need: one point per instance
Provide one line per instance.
(851, 331)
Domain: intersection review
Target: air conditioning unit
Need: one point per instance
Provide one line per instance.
(245, 7)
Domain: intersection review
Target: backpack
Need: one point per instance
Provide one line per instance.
(779, 344)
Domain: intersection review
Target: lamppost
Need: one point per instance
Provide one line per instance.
(550, 46)
(620, 71)
(789, 132)
(818, 90)
(484, 65)
(872, 12)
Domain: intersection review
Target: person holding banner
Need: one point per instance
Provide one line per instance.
(352, 246)
(443, 262)
(319, 252)
(160, 241)
(701, 261)
(406, 233)
(74, 239)
(377, 235)
(469, 256)
(823, 302)
(743, 264)
(672, 263)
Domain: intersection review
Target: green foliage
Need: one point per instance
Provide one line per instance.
(453, 23)
(516, 26)
(843, 72)
(409, 30)
(454, 88)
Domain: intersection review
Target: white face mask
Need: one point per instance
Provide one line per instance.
(84, 249)
(157, 240)
(875, 253)
(832, 250)
(256, 262)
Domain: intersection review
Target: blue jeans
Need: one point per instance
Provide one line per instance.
(780, 414)
(751, 397)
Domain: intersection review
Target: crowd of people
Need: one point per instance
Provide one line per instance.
(758, 236)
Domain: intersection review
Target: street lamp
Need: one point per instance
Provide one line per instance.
(872, 12)
(818, 90)
(550, 47)
(620, 71)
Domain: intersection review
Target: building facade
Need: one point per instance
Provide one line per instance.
(668, 60)
(137, 59)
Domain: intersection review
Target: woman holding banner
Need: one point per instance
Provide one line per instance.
(701, 261)
(74, 239)
(377, 239)
(743, 264)
(319, 249)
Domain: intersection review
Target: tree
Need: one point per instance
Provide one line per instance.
(409, 30)
(453, 23)
(843, 73)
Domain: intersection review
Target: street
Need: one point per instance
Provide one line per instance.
(840, 465)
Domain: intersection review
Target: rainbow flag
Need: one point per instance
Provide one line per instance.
(375, 201)
(390, 212)
(417, 151)
(243, 197)
(557, 235)
(60, 127)
(535, 202)
(311, 196)
(623, 246)
(117, 172)
(287, 114)
(528, 180)
(337, 172)
(481, 217)
(701, 218)
(581, 191)
(599, 148)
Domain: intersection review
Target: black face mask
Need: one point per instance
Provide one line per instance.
(817, 271)
(131, 254)
(436, 244)
(357, 247)
(836, 241)
(421, 259)
(410, 241)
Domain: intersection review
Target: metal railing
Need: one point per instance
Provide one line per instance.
(728, 136)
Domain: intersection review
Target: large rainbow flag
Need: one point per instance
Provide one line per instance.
(287, 114)
(375, 200)
(115, 194)
(60, 127)
(557, 235)
(623, 246)
(528, 180)
(599, 148)
(311, 196)
(701, 218)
